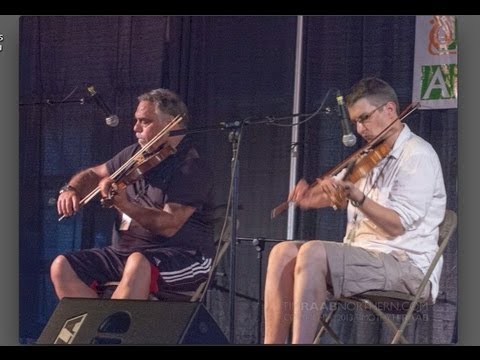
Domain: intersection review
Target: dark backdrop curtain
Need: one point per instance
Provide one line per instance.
(227, 69)
(63, 131)
(238, 68)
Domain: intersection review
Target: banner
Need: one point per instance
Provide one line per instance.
(435, 73)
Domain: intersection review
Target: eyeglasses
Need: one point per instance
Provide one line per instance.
(364, 117)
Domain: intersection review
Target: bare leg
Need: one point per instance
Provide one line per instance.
(66, 282)
(310, 291)
(279, 292)
(135, 282)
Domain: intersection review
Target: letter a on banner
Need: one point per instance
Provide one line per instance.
(435, 73)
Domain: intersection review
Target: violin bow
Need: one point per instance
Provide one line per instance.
(133, 159)
(350, 159)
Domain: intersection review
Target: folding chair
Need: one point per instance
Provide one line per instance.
(382, 303)
(223, 231)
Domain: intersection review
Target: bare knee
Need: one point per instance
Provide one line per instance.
(135, 282)
(283, 253)
(312, 256)
(137, 263)
(59, 267)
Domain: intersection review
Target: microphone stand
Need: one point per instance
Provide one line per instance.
(259, 244)
(80, 101)
(235, 137)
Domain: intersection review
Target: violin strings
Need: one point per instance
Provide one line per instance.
(147, 146)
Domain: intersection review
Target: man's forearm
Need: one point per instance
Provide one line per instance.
(84, 182)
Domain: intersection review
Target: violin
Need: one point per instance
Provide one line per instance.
(137, 171)
(137, 163)
(359, 169)
(358, 164)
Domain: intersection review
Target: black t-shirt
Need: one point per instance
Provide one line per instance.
(182, 178)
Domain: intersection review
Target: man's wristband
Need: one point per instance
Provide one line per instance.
(358, 203)
(66, 187)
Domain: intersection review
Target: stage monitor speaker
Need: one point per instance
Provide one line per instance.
(100, 321)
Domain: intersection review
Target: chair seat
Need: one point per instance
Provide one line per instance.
(106, 290)
(390, 302)
(173, 296)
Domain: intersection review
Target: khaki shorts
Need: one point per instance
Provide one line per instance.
(354, 270)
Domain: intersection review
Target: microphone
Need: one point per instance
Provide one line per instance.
(111, 119)
(348, 139)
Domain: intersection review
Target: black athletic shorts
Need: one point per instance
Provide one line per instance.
(172, 269)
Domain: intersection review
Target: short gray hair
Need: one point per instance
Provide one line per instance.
(167, 102)
(375, 90)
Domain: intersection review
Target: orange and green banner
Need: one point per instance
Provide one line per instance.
(435, 74)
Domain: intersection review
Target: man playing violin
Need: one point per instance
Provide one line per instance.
(391, 236)
(163, 233)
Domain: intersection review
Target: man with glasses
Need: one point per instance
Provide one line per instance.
(392, 231)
